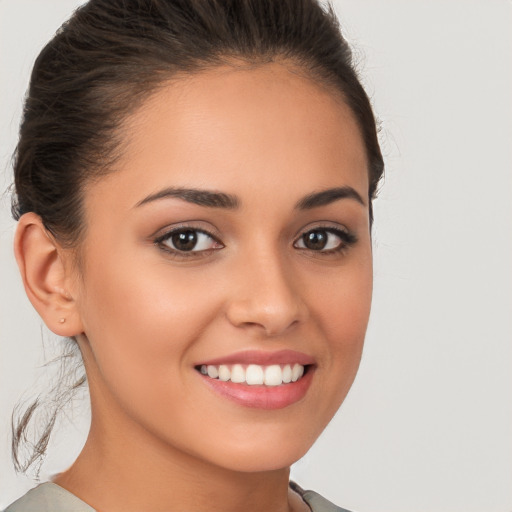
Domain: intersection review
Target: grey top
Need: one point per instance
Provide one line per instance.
(50, 497)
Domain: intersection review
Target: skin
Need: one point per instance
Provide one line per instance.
(144, 317)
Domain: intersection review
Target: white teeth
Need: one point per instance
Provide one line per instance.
(254, 374)
(297, 372)
(237, 373)
(212, 371)
(224, 373)
(287, 374)
(273, 375)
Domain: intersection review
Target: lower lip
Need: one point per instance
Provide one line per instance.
(262, 397)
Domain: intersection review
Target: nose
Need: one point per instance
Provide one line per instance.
(266, 296)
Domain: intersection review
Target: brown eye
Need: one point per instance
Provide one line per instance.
(315, 240)
(325, 240)
(188, 240)
(184, 240)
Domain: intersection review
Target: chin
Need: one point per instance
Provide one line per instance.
(265, 460)
(261, 453)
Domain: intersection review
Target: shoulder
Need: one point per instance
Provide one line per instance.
(315, 501)
(49, 497)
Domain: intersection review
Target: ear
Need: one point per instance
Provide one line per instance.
(45, 268)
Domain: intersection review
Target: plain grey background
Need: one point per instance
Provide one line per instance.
(427, 426)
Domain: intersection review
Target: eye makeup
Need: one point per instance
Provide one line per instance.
(325, 240)
(189, 241)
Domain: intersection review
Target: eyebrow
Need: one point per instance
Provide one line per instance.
(191, 195)
(213, 199)
(328, 196)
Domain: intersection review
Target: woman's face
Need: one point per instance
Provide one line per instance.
(233, 239)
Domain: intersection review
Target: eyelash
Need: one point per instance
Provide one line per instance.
(160, 242)
(347, 239)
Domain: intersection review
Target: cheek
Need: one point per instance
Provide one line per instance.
(343, 303)
(345, 314)
(129, 296)
(138, 317)
(341, 311)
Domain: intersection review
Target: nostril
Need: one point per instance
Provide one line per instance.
(267, 301)
(270, 322)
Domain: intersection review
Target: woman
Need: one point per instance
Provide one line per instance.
(193, 193)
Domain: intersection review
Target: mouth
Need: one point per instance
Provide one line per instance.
(259, 380)
(255, 374)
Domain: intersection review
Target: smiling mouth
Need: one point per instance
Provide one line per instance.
(255, 374)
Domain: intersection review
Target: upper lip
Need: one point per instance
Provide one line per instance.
(263, 358)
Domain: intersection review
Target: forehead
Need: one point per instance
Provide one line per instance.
(252, 128)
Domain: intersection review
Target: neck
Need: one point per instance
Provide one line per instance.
(129, 470)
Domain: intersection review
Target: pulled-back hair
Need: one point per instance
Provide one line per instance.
(113, 54)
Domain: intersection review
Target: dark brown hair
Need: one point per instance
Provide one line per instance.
(112, 54)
